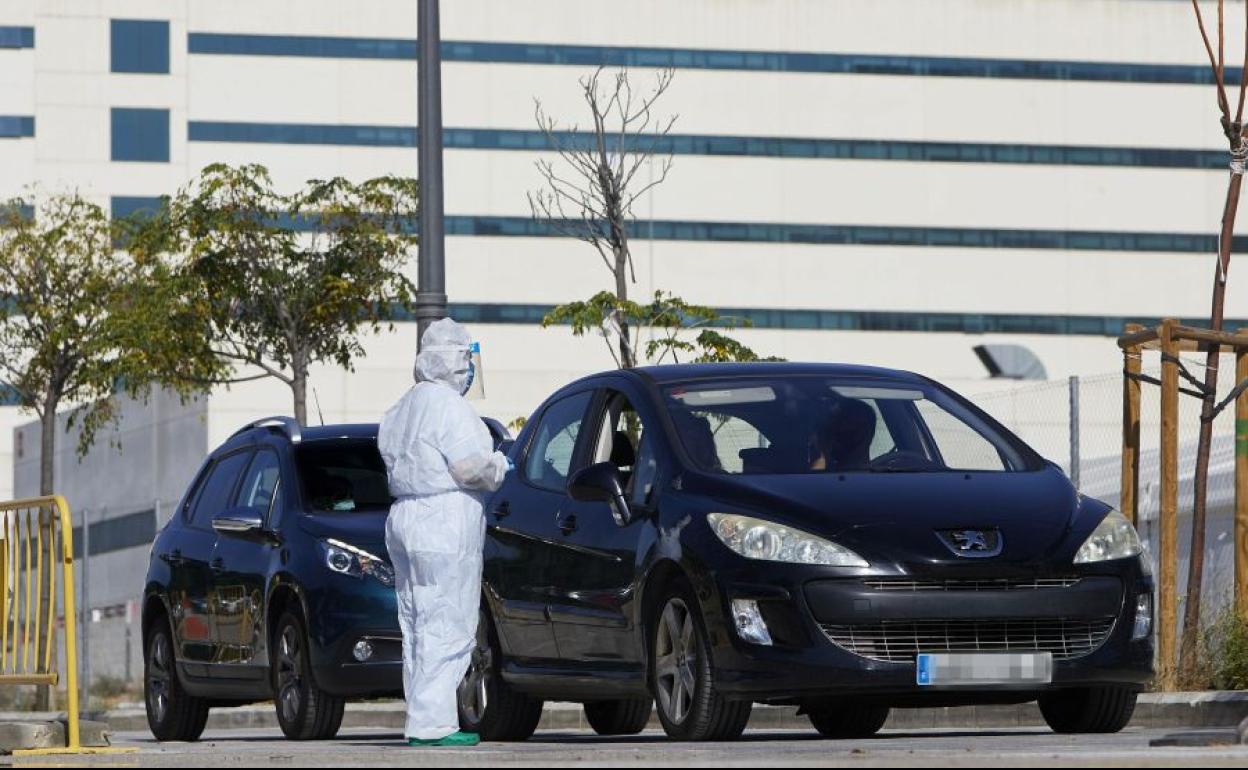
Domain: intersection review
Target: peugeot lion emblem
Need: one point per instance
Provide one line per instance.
(973, 543)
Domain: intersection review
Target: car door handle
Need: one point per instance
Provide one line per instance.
(174, 559)
(567, 525)
(502, 510)
(218, 564)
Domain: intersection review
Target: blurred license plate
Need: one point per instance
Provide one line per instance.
(950, 670)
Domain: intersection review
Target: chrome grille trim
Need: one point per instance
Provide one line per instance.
(915, 586)
(900, 641)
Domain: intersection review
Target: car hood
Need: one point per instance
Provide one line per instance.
(896, 518)
(362, 529)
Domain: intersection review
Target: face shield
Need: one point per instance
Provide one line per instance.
(476, 377)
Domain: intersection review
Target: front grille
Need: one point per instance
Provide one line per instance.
(900, 641)
(914, 586)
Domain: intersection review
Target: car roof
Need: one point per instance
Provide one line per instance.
(662, 375)
(329, 432)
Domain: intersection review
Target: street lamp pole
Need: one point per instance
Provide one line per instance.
(431, 278)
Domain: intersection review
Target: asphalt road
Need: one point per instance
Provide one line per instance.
(1020, 747)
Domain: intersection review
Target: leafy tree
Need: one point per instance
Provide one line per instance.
(274, 282)
(589, 192)
(75, 324)
(667, 321)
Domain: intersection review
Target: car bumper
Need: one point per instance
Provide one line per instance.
(806, 664)
(343, 613)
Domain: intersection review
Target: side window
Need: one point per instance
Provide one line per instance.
(624, 441)
(549, 460)
(261, 483)
(217, 489)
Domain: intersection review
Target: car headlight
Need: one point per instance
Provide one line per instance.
(1115, 538)
(348, 560)
(769, 541)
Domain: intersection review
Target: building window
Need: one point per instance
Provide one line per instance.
(17, 37)
(127, 206)
(140, 135)
(16, 126)
(140, 46)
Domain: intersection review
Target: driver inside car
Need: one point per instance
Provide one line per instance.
(843, 439)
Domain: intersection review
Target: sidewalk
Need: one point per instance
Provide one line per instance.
(1170, 710)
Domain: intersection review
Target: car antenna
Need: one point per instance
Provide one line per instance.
(319, 413)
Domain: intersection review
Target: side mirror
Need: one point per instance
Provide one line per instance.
(239, 521)
(601, 483)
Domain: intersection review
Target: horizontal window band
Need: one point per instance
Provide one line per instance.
(861, 320)
(713, 145)
(230, 44)
(862, 235)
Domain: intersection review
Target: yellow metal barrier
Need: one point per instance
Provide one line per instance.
(36, 536)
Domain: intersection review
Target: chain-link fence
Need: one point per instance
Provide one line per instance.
(1081, 419)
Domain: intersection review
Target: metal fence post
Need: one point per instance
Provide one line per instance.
(86, 611)
(1074, 431)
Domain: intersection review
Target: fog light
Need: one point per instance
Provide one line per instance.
(749, 622)
(363, 651)
(1143, 618)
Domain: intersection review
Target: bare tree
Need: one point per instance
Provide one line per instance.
(591, 187)
(1233, 128)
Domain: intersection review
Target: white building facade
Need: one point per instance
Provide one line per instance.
(874, 181)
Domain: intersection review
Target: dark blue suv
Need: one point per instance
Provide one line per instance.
(272, 582)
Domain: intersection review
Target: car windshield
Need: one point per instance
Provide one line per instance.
(342, 475)
(810, 424)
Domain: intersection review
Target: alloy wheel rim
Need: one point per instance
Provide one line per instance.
(289, 675)
(158, 671)
(474, 689)
(675, 661)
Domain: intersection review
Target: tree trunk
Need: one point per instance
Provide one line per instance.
(299, 389)
(47, 487)
(628, 357)
(1188, 650)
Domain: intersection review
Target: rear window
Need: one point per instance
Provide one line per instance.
(342, 476)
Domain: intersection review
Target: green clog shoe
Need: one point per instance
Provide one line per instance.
(458, 740)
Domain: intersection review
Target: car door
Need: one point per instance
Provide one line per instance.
(241, 565)
(190, 589)
(521, 531)
(596, 560)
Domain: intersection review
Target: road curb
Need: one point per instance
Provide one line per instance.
(1168, 710)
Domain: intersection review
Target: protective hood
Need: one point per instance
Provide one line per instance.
(444, 355)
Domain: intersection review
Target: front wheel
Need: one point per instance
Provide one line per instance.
(172, 714)
(690, 705)
(1104, 709)
(488, 705)
(304, 711)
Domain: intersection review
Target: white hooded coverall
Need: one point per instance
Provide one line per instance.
(441, 464)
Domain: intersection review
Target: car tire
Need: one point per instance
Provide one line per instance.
(172, 714)
(619, 717)
(846, 722)
(1103, 709)
(305, 712)
(689, 704)
(488, 705)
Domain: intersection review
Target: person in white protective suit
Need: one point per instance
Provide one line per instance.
(441, 464)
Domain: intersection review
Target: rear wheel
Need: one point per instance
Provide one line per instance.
(487, 704)
(619, 717)
(1104, 709)
(690, 705)
(849, 721)
(304, 711)
(172, 714)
